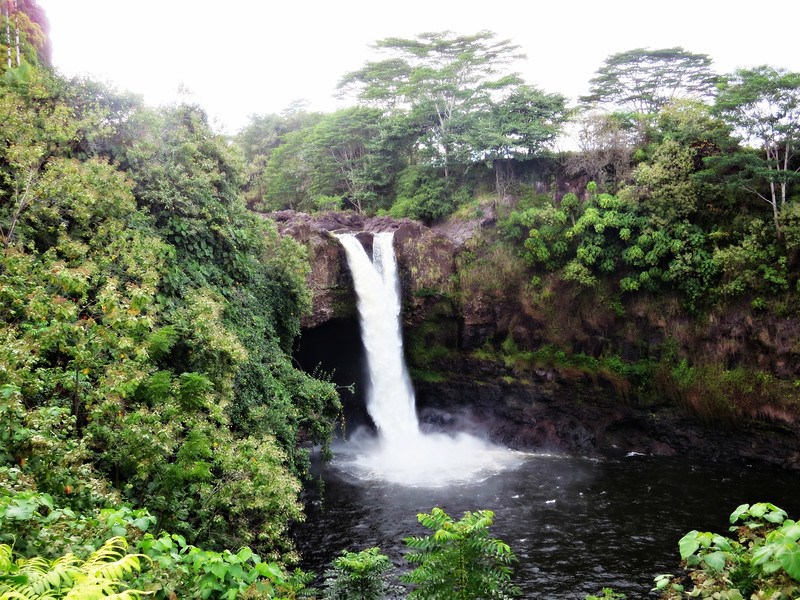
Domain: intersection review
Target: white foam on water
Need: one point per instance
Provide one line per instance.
(401, 453)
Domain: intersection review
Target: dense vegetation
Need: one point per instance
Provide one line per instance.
(692, 175)
(151, 418)
(147, 324)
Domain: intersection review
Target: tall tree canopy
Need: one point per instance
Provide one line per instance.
(443, 78)
(763, 104)
(644, 80)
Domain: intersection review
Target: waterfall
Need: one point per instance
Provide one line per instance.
(390, 397)
(401, 453)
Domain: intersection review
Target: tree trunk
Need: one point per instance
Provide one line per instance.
(504, 176)
(16, 32)
(8, 37)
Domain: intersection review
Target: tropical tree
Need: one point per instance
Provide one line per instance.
(517, 127)
(763, 105)
(260, 137)
(442, 79)
(643, 80)
(345, 155)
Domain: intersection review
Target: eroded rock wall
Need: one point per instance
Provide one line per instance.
(548, 408)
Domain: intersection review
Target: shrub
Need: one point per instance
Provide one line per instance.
(459, 561)
(761, 561)
(359, 576)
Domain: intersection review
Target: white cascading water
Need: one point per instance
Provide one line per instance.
(390, 397)
(401, 453)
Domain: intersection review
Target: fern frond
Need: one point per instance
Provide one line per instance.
(99, 577)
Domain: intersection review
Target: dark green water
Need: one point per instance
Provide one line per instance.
(576, 524)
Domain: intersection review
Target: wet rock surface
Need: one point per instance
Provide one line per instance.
(425, 258)
(546, 409)
(550, 412)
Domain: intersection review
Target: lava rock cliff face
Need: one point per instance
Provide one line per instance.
(548, 408)
(425, 258)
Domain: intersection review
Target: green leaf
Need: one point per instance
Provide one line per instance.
(244, 554)
(791, 530)
(776, 516)
(790, 560)
(688, 544)
(715, 560)
(722, 543)
(740, 510)
(270, 570)
(143, 523)
(237, 572)
(219, 570)
(21, 512)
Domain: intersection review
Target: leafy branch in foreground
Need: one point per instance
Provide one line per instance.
(361, 575)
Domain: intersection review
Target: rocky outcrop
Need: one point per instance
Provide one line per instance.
(559, 314)
(425, 258)
(555, 411)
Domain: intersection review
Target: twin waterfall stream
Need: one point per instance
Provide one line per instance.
(401, 453)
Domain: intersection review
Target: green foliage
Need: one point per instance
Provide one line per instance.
(146, 324)
(100, 575)
(259, 139)
(363, 575)
(37, 525)
(180, 568)
(753, 263)
(445, 80)
(612, 235)
(236, 287)
(422, 194)
(761, 561)
(643, 80)
(714, 393)
(523, 124)
(459, 560)
(607, 594)
(496, 271)
(42, 530)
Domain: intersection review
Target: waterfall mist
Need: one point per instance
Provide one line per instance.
(401, 453)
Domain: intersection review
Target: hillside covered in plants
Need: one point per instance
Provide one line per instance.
(150, 408)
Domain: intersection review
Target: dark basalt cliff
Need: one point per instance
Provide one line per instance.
(425, 257)
(554, 408)
(555, 411)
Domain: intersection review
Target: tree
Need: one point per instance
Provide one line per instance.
(349, 156)
(459, 561)
(643, 80)
(606, 145)
(518, 126)
(24, 34)
(673, 179)
(442, 78)
(345, 152)
(763, 105)
(260, 137)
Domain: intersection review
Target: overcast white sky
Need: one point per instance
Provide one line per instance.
(241, 57)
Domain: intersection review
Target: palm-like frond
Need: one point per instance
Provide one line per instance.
(99, 576)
